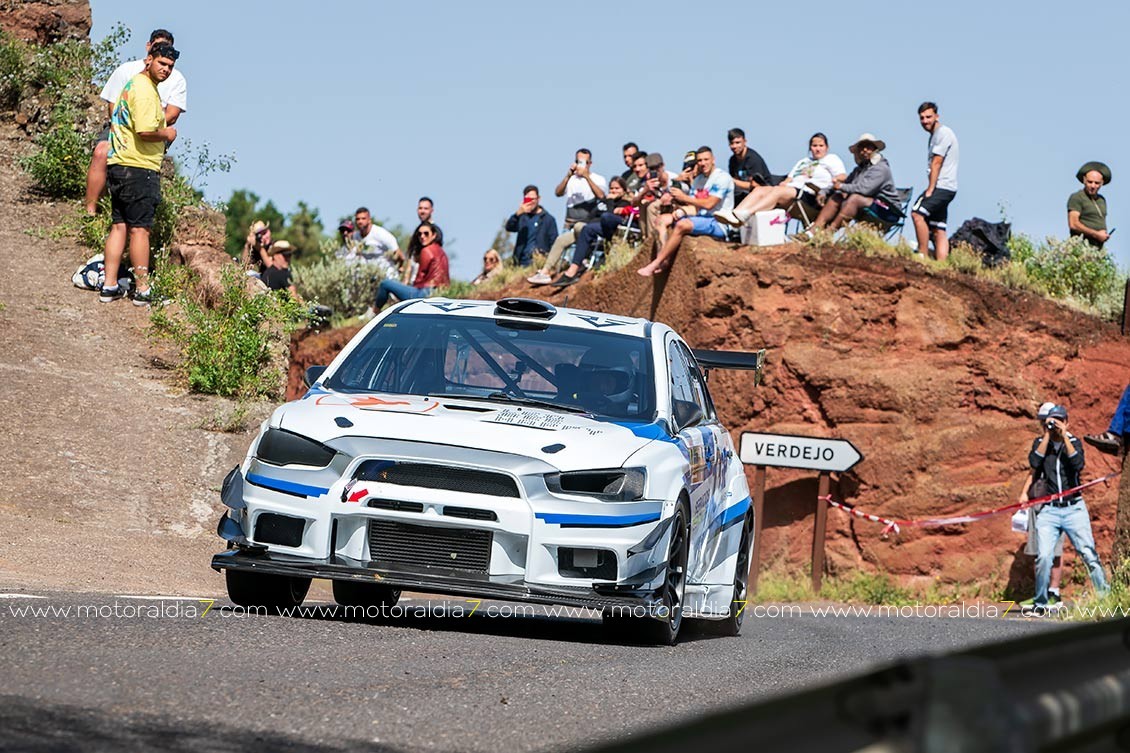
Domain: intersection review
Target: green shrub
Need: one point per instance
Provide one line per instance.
(1071, 268)
(13, 68)
(348, 289)
(230, 349)
(963, 258)
(59, 166)
(457, 289)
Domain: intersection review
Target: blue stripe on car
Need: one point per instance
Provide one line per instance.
(732, 514)
(597, 521)
(647, 431)
(288, 487)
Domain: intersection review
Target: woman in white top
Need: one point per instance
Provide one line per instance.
(809, 176)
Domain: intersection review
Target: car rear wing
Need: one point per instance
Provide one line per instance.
(732, 359)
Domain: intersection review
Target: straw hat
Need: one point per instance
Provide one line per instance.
(868, 138)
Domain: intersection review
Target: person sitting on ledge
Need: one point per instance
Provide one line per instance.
(617, 210)
(870, 184)
(808, 177)
(712, 192)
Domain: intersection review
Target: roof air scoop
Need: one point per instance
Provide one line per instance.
(526, 307)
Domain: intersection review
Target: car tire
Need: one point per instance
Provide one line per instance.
(732, 626)
(351, 593)
(266, 591)
(662, 630)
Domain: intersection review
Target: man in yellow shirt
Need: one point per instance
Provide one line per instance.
(138, 137)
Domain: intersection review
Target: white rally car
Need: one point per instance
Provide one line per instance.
(506, 450)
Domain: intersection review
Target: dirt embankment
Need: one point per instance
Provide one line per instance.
(935, 377)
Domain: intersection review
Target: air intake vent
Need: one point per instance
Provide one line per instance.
(395, 504)
(525, 307)
(402, 546)
(469, 513)
(448, 478)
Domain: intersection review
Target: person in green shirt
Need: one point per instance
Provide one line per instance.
(1086, 209)
(138, 138)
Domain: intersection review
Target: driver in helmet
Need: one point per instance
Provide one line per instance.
(606, 380)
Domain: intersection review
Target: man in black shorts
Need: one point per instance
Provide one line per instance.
(931, 209)
(138, 137)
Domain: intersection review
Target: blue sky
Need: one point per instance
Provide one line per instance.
(377, 103)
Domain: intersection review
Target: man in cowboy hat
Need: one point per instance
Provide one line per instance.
(870, 184)
(1086, 209)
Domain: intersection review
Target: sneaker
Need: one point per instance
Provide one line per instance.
(369, 314)
(142, 298)
(111, 294)
(1107, 442)
(727, 216)
(541, 278)
(565, 281)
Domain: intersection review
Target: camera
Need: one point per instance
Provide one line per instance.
(652, 174)
(1050, 423)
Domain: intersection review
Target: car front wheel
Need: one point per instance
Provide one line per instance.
(266, 591)
(349, 593)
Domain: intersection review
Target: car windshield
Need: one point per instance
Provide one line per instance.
(504, 362)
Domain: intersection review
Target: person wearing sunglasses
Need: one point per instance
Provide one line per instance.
(432, 274)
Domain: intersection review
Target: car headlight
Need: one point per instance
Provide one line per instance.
(620, 484)
(279, 447)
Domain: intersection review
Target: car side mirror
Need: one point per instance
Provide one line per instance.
(313, 374)
(686, 413)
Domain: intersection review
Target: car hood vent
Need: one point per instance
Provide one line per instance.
(526, 307)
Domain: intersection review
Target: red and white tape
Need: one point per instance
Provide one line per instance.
(895, 526)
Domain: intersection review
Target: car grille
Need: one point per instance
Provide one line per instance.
(439, 477)
(413, 547)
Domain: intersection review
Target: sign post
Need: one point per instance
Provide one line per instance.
(791, 451)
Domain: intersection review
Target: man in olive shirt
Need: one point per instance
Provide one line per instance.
(1086, 209)
(138, 137)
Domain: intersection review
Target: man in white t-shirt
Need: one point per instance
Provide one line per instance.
(582, 188)
(932, 208)
(375, 246)
(712, 190)
(174, 98)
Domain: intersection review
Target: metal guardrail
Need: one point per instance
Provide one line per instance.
(1063, 690)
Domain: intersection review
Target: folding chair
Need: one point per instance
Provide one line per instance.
(628, 232)
(802, 213)
(890, 229)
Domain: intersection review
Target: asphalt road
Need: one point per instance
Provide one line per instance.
(139, 675)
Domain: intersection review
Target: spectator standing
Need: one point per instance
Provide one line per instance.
(1113, 440)
(931, 210)
(581, 188)
(432, 274)
(376, 246)
(809, 176)
(257, 246)
(1031, 546)
(712, 190)
(536, 228)
(277, 275)
(1057, 458)
(747, 168)
(138, 136)
(348, 248)
(1086, 208)
(424, 209)
(174, 99)
(631, 151)
(870, 184)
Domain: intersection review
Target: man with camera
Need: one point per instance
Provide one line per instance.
(536, 228)
(1057, 462)
(581, 188)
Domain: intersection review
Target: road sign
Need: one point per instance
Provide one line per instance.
(790, 451)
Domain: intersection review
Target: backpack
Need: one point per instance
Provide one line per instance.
(92, 274)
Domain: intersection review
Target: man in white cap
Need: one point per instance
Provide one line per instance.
(1086, 208)
(1057, 459)
(1031, 547)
